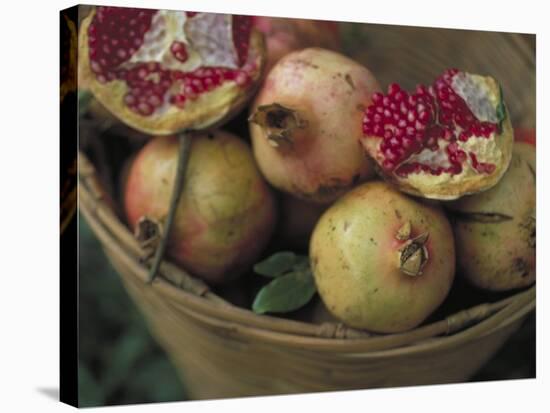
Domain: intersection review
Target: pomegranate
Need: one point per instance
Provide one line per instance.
(226, 213)
(165, 71)
(284, 35)
(122, 178)
(382, 261)
(526, 135)
(443, 141)
(305, 124)
(527, 151)
(495, 230)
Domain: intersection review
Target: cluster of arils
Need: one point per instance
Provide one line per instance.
(116, 34)
(433, 118)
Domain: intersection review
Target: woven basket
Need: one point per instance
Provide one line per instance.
(222, 350)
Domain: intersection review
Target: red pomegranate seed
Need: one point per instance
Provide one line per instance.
(179, 51)
(145, 109)
(393, 89)
(481, 167)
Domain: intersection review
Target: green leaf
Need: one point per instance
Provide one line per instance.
(286, 293)
(166, 385)
(301, 264)
(123, 357)
(90, 393)
(276, 265)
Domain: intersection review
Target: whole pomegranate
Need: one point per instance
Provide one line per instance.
(226, 213)
(495, 230)
(305, 124)
(382, 261)
(528, 135)
(527, 151)
(284, 35)
(163, 71)
(444, 141)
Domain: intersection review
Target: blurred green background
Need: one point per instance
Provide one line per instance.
(120, 362)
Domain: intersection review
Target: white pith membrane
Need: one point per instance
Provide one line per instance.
(208, 38)
(483, 154)
(211, 60)
(473, 90)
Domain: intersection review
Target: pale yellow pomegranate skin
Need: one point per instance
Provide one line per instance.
(226, 214)
(284, 35)
(500, 256)
(354, 257)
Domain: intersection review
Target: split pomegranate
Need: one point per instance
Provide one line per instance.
(284, 35)
(444, 141)
(226, 213)
(165, 71)
(382, 261)
(305, 124)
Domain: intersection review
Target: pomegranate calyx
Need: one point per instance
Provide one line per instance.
(404, 233)
(148, 232)
(413, 255)
(278, 123)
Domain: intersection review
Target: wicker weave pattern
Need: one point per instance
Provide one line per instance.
(225, 351)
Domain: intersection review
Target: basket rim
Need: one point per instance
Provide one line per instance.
(194, 297)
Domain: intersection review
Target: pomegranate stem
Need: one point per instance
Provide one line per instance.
(183, 156)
